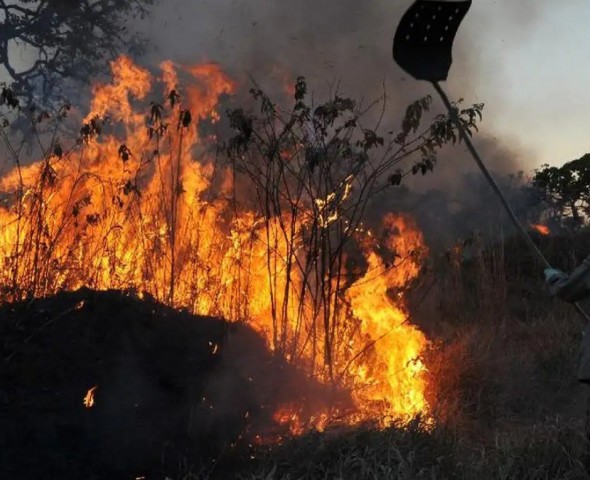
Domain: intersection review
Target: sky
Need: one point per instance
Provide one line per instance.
(538, 87)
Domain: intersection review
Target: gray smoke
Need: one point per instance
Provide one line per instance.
(347, 43)
(327, 41)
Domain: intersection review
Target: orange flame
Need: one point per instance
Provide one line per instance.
(134, 208)
(89, 398)
(542, 229)
(391, 374)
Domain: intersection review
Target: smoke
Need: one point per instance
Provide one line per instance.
(346, 44)
(328, 41)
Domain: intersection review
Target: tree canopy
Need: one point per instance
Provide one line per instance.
(61, 38)
(566, 190)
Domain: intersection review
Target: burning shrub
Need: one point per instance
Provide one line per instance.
(271, 234)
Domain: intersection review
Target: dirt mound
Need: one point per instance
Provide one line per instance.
(169, 386)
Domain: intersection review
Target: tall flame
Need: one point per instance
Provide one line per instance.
(391, 376)
(134, 208)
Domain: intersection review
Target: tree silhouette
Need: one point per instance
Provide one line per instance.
(61, 38)
(566, 191)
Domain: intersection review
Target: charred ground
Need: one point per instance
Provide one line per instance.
(171, 388)
(502, 384)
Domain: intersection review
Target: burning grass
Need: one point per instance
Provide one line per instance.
(541, 229)
(507, 403)
(273, 236)
(504, 391)
(267, 232)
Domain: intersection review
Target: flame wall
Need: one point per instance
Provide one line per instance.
(134, 205)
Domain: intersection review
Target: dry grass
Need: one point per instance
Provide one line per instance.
(502, 383)
(553, 450)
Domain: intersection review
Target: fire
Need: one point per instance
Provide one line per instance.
(391, 375)
(542, 229)
(142, 204)
(290, 416)
(89, 397)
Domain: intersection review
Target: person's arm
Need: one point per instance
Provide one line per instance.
(570, 288)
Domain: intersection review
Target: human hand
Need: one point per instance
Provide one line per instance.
(553, 275)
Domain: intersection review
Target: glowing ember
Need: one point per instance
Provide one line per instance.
(542, 229)
(89, 398)
(290, 416)
(214, 348)
(144, 207)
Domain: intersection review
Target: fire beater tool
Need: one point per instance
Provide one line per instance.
(422, 46)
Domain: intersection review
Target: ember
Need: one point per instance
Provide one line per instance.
(542, 229)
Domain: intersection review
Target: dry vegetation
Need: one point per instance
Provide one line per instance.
(502, 377)
(500, 371)
(503, 384)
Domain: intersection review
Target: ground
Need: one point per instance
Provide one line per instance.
(171, 388)
(179, 397)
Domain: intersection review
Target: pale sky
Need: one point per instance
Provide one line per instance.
(540, 95)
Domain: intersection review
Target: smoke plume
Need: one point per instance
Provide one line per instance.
(346, 44)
